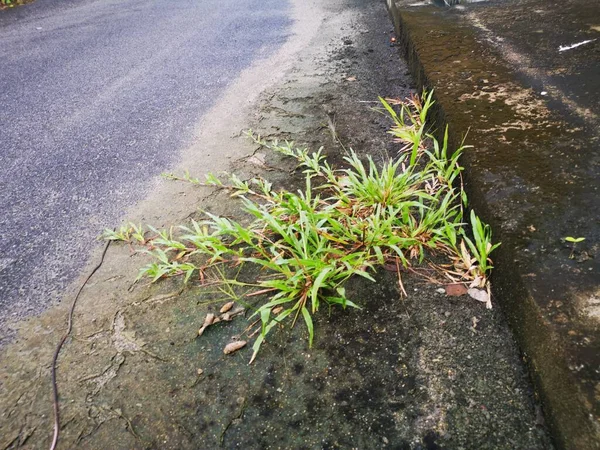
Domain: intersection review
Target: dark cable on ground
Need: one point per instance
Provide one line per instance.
(60, 344)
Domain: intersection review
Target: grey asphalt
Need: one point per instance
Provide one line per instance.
(97, 98)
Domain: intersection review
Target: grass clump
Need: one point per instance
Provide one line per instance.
(343, 223)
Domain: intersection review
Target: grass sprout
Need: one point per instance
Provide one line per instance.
(344, 223)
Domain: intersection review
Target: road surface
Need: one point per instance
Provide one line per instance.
(97, 99)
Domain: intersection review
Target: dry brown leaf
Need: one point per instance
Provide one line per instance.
(237, 311)
(234, 347)
(208, 321)
(456, 289)
(478, 282)
(226, 307)
(479, 294)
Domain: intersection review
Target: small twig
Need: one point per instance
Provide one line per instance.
(402, 290)
(254, 333)
(421, 274)
(262, 291)
(250, 326)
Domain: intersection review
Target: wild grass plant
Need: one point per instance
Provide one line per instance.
(344, 223)
(12, 3)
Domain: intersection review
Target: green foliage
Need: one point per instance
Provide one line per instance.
(481, 245)
(13, 3)
(308, 244)
(125, 233)
(573, 241)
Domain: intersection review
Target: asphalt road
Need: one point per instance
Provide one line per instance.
(97, 98)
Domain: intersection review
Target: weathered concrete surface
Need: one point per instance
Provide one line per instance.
(424, 372)
(531, 110)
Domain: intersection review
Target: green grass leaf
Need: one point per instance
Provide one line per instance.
(309, 325)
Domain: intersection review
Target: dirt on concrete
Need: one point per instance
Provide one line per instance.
(423, 372)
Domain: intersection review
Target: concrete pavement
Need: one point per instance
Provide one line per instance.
(424, 372)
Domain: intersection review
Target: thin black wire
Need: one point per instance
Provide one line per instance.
(59, 346)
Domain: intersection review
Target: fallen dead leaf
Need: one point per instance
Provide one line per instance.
(478, 282)
(237, 311)
(456, 289)
(208, 321)
(226, 307)
(479, 294)
(234, 347)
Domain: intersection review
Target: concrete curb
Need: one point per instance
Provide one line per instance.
(569, 412)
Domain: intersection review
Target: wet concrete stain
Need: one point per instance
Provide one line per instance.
(534, 167)
(384, 387)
